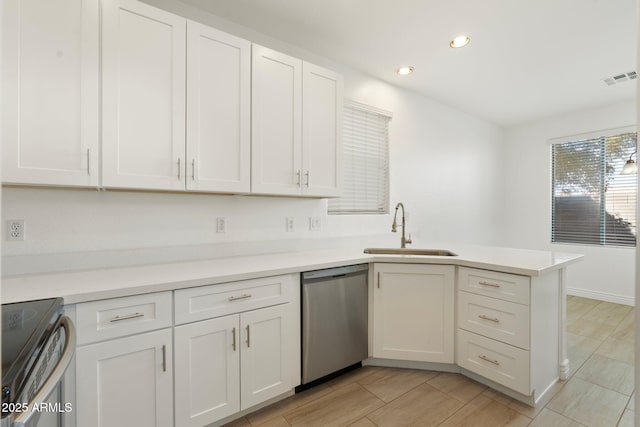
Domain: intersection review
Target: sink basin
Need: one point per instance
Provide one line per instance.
(409, 251)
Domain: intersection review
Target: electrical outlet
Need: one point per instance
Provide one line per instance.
(221, 225)
(291, 224)
(15, 230)
(314, 223)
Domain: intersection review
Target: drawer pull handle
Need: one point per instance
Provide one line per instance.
(483, 357)
(493, 285)
(126, 317)
(248, 337)
(164, 358)
(243, 296)
(233, 332)
(491, 319)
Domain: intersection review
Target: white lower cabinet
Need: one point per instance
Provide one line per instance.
(126, 382)
(124, 364)
(234, 362)
(508, 329)
(499, 362)
(413, 308)
(207, 370)
(268, 357)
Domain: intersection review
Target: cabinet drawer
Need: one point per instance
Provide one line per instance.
(499, 362)
(206, 302)
(501, 320)
(509, 287)
(117, 317)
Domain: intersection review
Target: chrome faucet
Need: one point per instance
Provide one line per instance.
(403, 240)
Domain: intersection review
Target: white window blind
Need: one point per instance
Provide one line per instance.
(365, 161)
(592, 202)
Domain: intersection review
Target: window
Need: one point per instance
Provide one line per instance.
(365, 161)
(592, 202)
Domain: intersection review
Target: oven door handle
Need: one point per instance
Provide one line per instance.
(20, 419)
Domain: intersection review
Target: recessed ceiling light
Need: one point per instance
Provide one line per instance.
(460, 41)
(405, 70)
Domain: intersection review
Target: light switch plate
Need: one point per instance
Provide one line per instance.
(291, 224)
(221, 225)
(315, 223)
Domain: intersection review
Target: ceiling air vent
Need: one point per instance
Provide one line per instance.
(619, 78)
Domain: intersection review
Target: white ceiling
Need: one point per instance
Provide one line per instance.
(527, 59)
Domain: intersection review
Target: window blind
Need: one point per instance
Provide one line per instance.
(365, 161)
(592, 202)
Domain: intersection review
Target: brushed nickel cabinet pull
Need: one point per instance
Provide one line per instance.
(126, 317)
(179, 168)
(308, 175)
(493, 285)
(243, 296)
(248, 337)
(492, 319)
(378, 280)
(193, 169)
(233, 332)
(483, 357)
(164, 358)
(299, 181)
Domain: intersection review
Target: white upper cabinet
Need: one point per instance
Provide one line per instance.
(179, 106)
(296, 126)
(321, 131)
(143, 95)
(276, 149)
(218, 110)
(50, 71)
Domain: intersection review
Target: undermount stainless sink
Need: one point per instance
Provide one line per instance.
(407, 251)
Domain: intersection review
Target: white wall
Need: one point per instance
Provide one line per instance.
(445, 167)
(605, 273)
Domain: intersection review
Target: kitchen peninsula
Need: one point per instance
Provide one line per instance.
(494, 314)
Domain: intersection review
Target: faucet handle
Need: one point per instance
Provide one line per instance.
(408, 241)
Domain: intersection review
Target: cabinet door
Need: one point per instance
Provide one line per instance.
(50, 92)
(207, 371)
(270, 362)
(126, 382)
(143, 93)
(321, 131)
(276, 160)
(413, 312)
(218, 110)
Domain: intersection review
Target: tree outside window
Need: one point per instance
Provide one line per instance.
(592, 202)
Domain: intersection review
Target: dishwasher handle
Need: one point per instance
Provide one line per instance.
(309, 276)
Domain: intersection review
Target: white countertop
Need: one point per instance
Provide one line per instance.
(88, 285)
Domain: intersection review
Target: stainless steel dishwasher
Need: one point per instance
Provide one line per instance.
(334, 320)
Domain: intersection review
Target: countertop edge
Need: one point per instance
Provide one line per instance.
(29, 287)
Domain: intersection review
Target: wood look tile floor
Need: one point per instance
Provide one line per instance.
(599, 392)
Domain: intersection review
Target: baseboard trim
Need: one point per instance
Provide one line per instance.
(602, 296)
